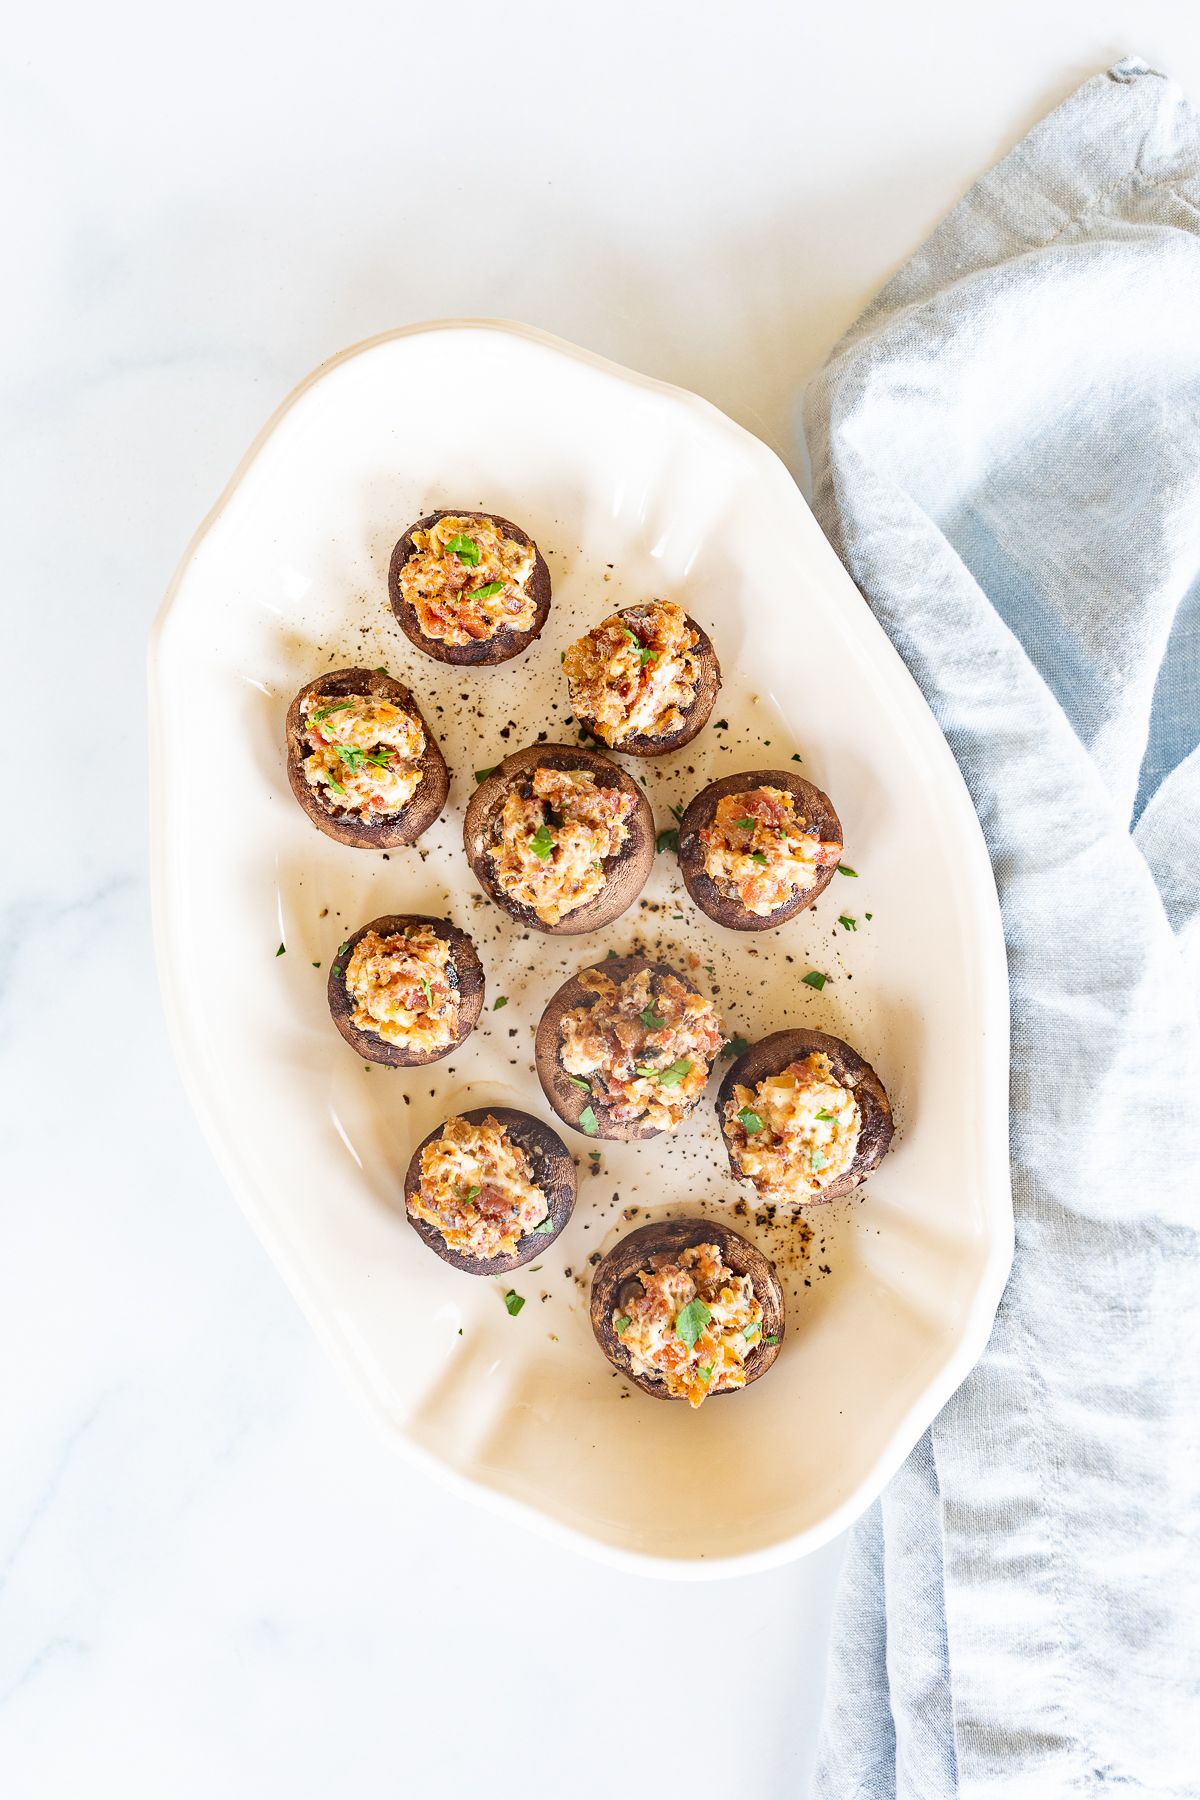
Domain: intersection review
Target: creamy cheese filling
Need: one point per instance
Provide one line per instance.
(477, 1189)
(757, 851)
(692, 1322)
(553, 838)
(363, 753)
(796, 1131)
(405, 988)
(466, 580)
(643, 1048)
(636, 673)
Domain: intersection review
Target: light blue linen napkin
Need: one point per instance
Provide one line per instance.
(1006, 453)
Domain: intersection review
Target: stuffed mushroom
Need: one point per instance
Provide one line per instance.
(804, 1117)
(688, 1310)
(560, 837)
(490, 1189)
(361, 760)
(755, 849)
(406, 989)
(645, 680)
(469, 587)
(625, 1049)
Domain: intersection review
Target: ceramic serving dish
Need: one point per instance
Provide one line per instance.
(631, 489)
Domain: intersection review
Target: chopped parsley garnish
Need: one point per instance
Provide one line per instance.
(381, 670)
(650, 1018)
(621, 1325)
(426, 989)
(814, 979)
(721, 725)
(317, 717)
(579, 1082)
(846, 923)
(481, 775)
(631, 635)
(796, 757)
(845, 869)
(758, 856)
(772, 1337)
(676, 1073)
(691, 1321)
(473, 1192)
(705, 1372)
(501, 1000)
(869, 915)
(737, 1046)
(315, 965)
(752, 1330)
(335, 785)
(466, 550)
(667, 840)
(542, 842)
(282, 950)
(646, 655)
(750, 1120)
(750, 822)
(513, 1303)
(487, 590)
(587, 1121)
(816, 1160)
(677, 812)
(824, 1114)
(545, 1228)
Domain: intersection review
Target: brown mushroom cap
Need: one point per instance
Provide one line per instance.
(404, 827)
(504, 643)
(626, 873)
(553, 1171)
(464, 963)
(669, 1237)
(695, 716)
(568, 1100)
(775, 1052)
(812, 805)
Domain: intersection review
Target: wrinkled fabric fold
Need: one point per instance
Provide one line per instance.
(1006, 454)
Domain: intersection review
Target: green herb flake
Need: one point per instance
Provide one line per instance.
(721, 725)
(705, 1372)
(513, 1303)
(737, 1046)
(772, 1337)
(545, 1228)
(750, 1120)
(542, 842)
(677, 1072)
(814, 979)
(845, 869)
(758, 856)
(816, 1160)
(631, 635)
(426, 989)
(646, 655)
(381, 670)
(335, 785)
(466, 550)
(473, 1192)
(869, 915)
(282, 950)
(579, 1082)
(667, 840)
(796, 757)
(691, 1321)
(650, 1019)
(621, 1325)
(752, 1330)
(326, 711)
(481, 775)
(501, 1000)
(487, 590)
(587, 1121)
(316, 965)
(847, 923)
(750, 822)
(823, 1114)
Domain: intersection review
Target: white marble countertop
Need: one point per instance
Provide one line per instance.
(215, 1580)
